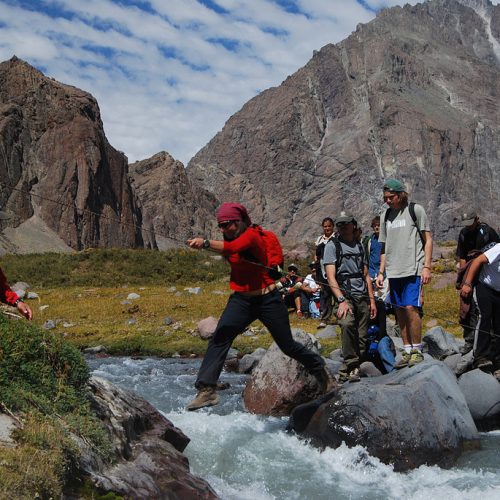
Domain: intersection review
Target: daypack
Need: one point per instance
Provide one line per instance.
(343, 277)
(411, 210)
(274, 253)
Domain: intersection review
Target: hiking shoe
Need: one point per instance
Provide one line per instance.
(416, 357)
(467, 347)
(321, 325)
(300, 315)
(403, 362)
(354, 375)
(483, 364)
(326, 381)
(207, 396)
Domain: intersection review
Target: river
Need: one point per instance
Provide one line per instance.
(245, 456)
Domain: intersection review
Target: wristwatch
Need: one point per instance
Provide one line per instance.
(341, 299)
(206, 243)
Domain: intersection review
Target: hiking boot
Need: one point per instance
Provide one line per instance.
(483, 364)
(354, 375)
(321, 325)
(326, 381)
(207, 396)
(416, 357)
(467, 347)
(403, 362)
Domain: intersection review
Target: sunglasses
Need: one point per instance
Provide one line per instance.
(225, 224)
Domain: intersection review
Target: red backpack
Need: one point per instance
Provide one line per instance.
(274, 253)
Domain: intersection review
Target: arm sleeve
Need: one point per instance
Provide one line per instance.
(241, 243)
(382, 234)
(329, 257)
(422, 219)
(7, 296)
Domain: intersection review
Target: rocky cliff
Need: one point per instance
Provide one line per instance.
(413, 94)
(172, 206)
(57, 167)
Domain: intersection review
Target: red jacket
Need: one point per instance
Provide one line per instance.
(246, 275)
(7, 296)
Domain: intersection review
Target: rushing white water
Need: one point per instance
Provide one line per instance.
(245, 456)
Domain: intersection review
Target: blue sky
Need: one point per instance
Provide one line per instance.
(168, 73)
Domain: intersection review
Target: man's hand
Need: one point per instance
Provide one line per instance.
(25, 310)
(344, 310)
(426, 276)
(379, 282)
(465, 291)
(196, 243)
(373, 309)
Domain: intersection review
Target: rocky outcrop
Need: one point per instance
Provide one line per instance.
(147, 449)
(407, 418)
(279, 383)
(412, 94)
(172, 206)
(57, 165)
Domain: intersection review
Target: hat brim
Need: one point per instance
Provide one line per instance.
(342, 219)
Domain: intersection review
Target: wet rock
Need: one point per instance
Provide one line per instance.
(147, 449)
(279, 383)
(482, 393)
(206, 327)
(232, 362)
(247, 363)
(375, 412)
(439, 343)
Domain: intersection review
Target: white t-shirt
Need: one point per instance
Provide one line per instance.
(310, 282)
(490, 272)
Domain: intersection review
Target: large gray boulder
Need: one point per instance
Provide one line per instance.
(482, 393)
(147, 449)
(440, 344)
(279, 383)
(407, 418)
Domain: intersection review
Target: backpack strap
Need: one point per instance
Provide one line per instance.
(343, 276)
(413, 215)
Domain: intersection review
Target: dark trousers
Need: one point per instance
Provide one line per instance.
(487, 301)
(240, 311)
(326, 302)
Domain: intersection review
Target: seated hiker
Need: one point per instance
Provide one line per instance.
(473, 237)
(380, 349)
(8, 296)
(347, 272)
(289, 286)
(309, 294)
(255, 297)
(486, 268)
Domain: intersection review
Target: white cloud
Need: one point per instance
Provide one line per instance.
(167, 75)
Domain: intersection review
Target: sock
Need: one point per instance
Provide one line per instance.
(417, 347)
(407, 348)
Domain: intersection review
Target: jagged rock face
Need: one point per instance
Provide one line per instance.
(53, 147)
(414, 94)
(174, 208)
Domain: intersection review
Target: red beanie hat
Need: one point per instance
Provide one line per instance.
(233, 211)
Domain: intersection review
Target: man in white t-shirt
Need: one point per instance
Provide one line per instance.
(486, 296)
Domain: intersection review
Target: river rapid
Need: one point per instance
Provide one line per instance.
(245, 456)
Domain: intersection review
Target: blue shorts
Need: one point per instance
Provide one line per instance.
(405, 291)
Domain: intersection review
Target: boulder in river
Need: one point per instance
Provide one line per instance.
(147, 448)
(279, 383)
(406, 418)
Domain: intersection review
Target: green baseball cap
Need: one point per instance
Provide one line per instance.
(394, 185)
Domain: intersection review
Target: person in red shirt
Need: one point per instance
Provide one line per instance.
(255, 297)
(7, 296)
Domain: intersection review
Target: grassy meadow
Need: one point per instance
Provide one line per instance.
(86, 294)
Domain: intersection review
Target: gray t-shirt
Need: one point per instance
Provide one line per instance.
(353, 264)
(404, 252)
